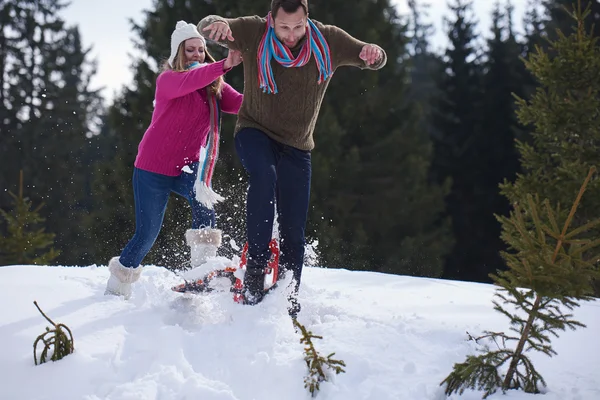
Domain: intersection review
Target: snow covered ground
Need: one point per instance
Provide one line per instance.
(399, 337)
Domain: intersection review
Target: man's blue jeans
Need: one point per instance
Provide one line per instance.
(151, 193)
(278, 174)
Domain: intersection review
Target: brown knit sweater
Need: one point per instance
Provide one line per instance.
(290, 115)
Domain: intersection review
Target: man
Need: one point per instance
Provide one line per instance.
(288, 62)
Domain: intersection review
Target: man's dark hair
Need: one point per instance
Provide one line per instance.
(289, 6)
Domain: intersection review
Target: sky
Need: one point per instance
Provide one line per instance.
(398, 336)
(104, 26)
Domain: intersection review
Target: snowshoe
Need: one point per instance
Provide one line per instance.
(204, 285)
(235, 276)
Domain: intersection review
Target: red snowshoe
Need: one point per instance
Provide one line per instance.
(237, 286)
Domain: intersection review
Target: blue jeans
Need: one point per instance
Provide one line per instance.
(151, 193)
(278, 174)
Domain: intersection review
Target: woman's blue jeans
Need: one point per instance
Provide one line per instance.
(151, 193)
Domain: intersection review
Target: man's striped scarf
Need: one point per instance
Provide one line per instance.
(270, 47)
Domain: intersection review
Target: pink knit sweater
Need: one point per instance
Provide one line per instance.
(181, 119)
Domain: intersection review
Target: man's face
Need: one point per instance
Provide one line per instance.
(290, 28)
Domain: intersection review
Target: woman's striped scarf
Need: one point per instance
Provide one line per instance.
(270, 47)
(203, 186)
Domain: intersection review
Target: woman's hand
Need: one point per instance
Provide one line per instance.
(234, 57)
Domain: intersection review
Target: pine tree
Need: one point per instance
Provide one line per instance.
(58, 342)
(496, 154)
(457, 157)
(25, 241)
(566, 139)
(563, 112)
(534, 25)
(317, 365)
(424, 65)
(550, 272)
(534, 37)
(552, 255)
(558, 13)
(47, 114)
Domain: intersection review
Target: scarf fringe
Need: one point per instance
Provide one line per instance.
(206, 195)
(203, 185)
(270, 47)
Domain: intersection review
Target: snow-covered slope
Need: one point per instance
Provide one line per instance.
(399, 337)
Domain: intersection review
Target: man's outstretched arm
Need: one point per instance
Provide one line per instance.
(349, 51)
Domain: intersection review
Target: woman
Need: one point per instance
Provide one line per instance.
(190, 93)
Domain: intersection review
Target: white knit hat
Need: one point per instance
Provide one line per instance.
(183, 31)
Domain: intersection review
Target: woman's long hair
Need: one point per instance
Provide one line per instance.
(180, 63)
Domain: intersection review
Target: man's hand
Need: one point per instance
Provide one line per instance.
(371, 54)
(219, 31)
(234, 58)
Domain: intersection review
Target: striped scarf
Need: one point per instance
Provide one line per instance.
(271, 47)
(203, 186)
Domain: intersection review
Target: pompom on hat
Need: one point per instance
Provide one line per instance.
(183, 31)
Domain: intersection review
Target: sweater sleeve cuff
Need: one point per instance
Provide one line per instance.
(222, 65)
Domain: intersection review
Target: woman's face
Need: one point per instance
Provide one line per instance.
(194, 50)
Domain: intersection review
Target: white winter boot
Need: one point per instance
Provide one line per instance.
(203, 244)
(121, 278)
